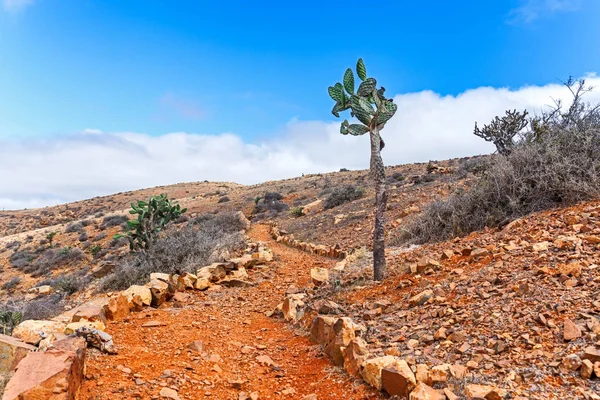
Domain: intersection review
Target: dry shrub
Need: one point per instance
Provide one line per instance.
(341, 195)
(180, 250)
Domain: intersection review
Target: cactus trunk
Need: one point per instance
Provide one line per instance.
(378, 174)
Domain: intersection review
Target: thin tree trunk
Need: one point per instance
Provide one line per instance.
(378, 174)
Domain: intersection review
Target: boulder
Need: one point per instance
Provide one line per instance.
(138, 297)
(202, 283)
(11, 352)
(371, 370)
(73, 326)
(41, 290)
(89, 313)
(590, 353)
(245, 222)
(425, 392)
(117, 307)
(397, 379)
(160, 276)
(33, 331)
(319, 276)
(421, 298)
(214, 272)
(293, 308)
(344, 330)
(187, 280)
(52, 375)
(160, 291)
(321, 329)
(484, 392)
(355, 353)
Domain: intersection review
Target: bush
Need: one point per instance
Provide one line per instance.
(113, 220)
(559, 167)
(339, 196)
(83, 237)
(99, 236)
(271, 204)
(21, 259)
(51, 259)
(95, 249)
(179, 250)
(11, 284)
(74, 227)
(224, 199)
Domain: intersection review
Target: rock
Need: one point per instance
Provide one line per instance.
(245, 222)
(311, 208)
(450, 395)
(118, 306)
(343, 331)
(422, 374)
(160, 276)
(439, 373)
(196, 346)
(570, 330)
(397, 379)
(265, 360)
(447, 254)
(52, 375)
(90, 313)
(293, 308)
(421, 298)
(597, 368)
(187, 280)
(239, 274)
(571, 362)
(587, 369)
(73, 326)
(425, 392)
(159, 290)
(153, 324)
(484, 392)
(11, 352)
(355, 353)
(321, 329)
(41, 290)
(33, 331)
(102, 269)
(590, 353)
(202, 283)
(371, 371)
(97, 338)
(319, 276)
(425, 263)
(168, 393)
(214, 272)
(327, 307)
(138, 297)
(236, 282)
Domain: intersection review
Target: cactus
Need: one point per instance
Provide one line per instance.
(9, 320)
(152, 217)
(373, 110)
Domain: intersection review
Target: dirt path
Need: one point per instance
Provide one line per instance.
(236, 335)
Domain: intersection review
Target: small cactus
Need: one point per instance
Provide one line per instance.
(152, 216)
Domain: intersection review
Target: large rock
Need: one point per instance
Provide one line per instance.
(214, 272)
(321, 329)
(52, 375)
(293, 308)
(425, 392)
(187, 280)
(118, 306)
(161, 276)
(245, 222)
(371, 371)
(319, 276)
(138, 297)
(33, 331)
(397, 379)
(73, 326)
(354, 355)
(11, 352)
(202, 283)
(344, 330)
(90, 313)
(160, 290)
(484, 392)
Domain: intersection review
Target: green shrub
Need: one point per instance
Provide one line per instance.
(297, 211)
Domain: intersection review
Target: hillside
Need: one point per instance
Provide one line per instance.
(510, 312)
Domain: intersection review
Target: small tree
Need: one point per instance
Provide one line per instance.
(152, 216)
(369, 105)
(502, 131)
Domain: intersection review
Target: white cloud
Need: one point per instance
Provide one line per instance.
(14, 6)
(531, 10)
(427, 126)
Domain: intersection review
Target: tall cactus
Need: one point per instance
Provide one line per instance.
(373, 110)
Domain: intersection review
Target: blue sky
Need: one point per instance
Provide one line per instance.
(110, 95)
(249, 67)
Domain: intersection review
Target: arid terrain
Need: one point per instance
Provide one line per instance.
(510, 312)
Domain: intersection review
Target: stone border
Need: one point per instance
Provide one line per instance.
(281, 236)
